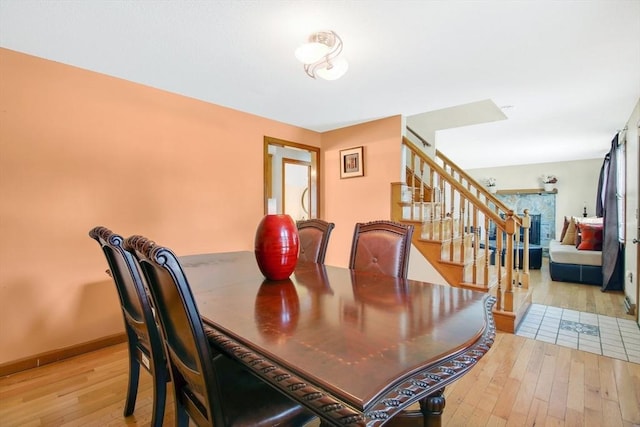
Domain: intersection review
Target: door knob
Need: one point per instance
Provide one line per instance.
(635, 241)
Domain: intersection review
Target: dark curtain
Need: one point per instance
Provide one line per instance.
(607, 207)
(601, 183)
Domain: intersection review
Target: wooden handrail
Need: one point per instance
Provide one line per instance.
(424, 141)
(477, 185)
(457, 185)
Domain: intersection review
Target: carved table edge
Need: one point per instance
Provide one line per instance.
(336, 412)
(435, 378)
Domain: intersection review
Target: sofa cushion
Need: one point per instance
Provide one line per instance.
(590, 237)
(590, 220)
(569, 254)
(565, 225)
(570, 236)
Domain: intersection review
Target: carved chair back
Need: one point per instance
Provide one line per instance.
(314, 239)
(381, 247)
(143, 335)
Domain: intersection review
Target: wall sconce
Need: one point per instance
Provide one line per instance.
(320, 56)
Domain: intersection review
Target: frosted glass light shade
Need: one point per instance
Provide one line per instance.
(320, 56)
(309, 53)
(334, 70)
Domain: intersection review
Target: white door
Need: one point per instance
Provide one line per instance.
(296, 181)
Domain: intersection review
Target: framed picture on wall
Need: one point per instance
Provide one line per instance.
(351, 162)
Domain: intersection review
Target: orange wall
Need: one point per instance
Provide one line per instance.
(79, 149)
(347, 201)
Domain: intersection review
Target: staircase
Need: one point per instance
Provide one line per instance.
(460, 228)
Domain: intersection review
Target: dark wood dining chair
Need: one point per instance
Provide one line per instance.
(381, 247)
(143, 336)
(210, 388)
(314, 239)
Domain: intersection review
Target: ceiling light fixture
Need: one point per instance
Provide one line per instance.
(320, 56)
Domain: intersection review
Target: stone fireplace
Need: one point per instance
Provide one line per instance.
(542, 210)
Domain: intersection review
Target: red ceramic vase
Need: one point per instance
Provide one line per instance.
(276, 246)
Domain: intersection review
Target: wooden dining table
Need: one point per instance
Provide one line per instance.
(355, 348)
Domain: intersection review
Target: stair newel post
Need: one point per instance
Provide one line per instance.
(526, 224)
(510, 228)
(516, 258)
(517, 266)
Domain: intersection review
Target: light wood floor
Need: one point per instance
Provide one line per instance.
(520, 382)
(575, 296)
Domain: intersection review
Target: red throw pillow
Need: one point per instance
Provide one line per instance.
(590, 237)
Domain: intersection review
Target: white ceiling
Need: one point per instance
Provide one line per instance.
(570, 70)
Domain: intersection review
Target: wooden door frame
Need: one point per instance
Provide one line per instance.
(267, 181)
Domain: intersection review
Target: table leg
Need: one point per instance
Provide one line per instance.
(429, 415)
(432, 407)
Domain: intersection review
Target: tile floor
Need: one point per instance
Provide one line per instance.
(608, 336)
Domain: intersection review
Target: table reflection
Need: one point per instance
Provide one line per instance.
(313, 277)
(277, 309)
(390, 293)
